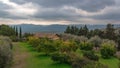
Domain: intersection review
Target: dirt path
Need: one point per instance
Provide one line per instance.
(20, 55)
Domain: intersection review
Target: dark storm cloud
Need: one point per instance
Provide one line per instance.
(88, 5)
(54, 10)
(108, 16)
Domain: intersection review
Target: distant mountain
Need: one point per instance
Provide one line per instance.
(54, 28)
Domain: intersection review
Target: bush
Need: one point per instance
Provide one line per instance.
(68, 46)
(96, 41)
(90, 55)
(65, 57)
(60, 57)
(80, 63)
(5, 52)
(86, 46)
(34, 41)
(108, 49)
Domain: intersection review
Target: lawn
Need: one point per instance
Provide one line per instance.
(37, 60)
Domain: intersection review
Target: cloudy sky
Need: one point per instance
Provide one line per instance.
(46, 12)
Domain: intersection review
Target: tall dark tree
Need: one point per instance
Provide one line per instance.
(80, 32)
(20, 32)
(110, 32)
(85, 30)
(68, 30)
(76, 30)
(16, 31)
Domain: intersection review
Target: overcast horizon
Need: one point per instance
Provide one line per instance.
(47, 12)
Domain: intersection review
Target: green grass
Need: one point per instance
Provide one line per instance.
(111, 63)
(37, 60)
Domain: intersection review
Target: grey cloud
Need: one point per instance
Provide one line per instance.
(61, 14)
(108, 16)
(58, 14)
(88, 5)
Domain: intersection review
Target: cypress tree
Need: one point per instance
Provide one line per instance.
(20, 33)
(16, 31)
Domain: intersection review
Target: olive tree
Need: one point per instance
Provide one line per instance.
(108, 48)
(96, 41)
(5, 52)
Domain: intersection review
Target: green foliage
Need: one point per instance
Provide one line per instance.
(68, 46)
(34, 41)
(90, 55)
(65, 57)
(60, 57)
(6, 30)
(96, 41)
(47, 47)
(72, 30)
(86, 46)
(83, 31)
(108, 49)
(5, 52)
(110, 32)
(119, 63)
(20, 32)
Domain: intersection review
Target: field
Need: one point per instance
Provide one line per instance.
(26, 57)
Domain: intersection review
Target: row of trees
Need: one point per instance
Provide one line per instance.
(76, 31)
(13, 32)
(109, 32)
(65, 51)
(18, 32)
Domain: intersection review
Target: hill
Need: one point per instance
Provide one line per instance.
(54, 28)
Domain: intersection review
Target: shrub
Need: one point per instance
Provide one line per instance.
(96, 41)
(79, 63)
(65, 57)
(5, 52)
(34, 41)
(48, 46)
(90, 55)
(60, 57)
(68, 46)
(108, 49)
(86, 46)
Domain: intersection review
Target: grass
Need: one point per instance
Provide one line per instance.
(37, 60)
(111, 63)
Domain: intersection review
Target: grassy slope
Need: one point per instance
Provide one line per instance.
(111, 63)
(35, 60)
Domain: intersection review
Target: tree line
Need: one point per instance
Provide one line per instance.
(15, 33)
(108, 33)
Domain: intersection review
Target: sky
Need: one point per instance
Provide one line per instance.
(47, 12)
